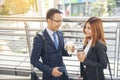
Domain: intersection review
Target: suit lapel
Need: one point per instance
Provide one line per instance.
(48, 38)
(59, 40)
(89, 51)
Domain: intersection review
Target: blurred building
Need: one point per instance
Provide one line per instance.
(117, 3)
(75, 7)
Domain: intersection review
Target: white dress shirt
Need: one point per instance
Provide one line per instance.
(50, 32)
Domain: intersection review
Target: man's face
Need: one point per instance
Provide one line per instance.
(55, 22)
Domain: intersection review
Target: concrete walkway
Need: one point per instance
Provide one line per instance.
(11, 77)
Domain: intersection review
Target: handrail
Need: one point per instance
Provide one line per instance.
(65, 19)
(29, 35)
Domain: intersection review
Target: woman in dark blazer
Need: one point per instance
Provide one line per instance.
(93, 57)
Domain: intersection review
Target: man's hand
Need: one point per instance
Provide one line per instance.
(56, 72)
(70, 47)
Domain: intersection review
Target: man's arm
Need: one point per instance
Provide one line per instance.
(35, 56)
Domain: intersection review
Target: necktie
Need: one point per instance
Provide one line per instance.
(55, 40)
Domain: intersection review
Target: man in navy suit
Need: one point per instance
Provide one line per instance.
(52, 64)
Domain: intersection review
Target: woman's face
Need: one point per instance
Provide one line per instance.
(88, 31)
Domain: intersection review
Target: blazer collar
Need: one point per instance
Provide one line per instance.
(49, 40)
(60, 39)
(89, 51)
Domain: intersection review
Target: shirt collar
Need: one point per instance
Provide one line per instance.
(50, 32)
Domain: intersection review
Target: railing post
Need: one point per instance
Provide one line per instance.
(117, 49)
(28, 40)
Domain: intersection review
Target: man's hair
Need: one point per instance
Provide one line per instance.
(51, 12)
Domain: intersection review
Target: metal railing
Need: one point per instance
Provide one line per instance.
(16, 37)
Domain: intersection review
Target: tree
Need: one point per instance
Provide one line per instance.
(33, 4)
(18, 6)
(110, 6)
(98, 8)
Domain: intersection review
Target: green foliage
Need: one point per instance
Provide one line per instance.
(111, 4)
(75, 14)
(98, 8)
(33, 3)
(46, 4)
(12, 7)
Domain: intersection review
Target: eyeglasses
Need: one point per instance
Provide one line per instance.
(56, 20)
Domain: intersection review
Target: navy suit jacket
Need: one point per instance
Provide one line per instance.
(95, 62)
(53, 57)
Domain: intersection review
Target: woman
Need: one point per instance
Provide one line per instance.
(94, 58)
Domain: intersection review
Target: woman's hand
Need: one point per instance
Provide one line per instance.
(81, 56)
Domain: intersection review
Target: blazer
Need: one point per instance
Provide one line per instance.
(95, 62)
(53, 57)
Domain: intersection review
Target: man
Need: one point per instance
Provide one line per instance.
(52, 64)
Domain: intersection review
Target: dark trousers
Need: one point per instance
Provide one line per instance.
(63, 77)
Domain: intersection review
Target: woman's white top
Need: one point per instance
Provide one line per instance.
(87, 47)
